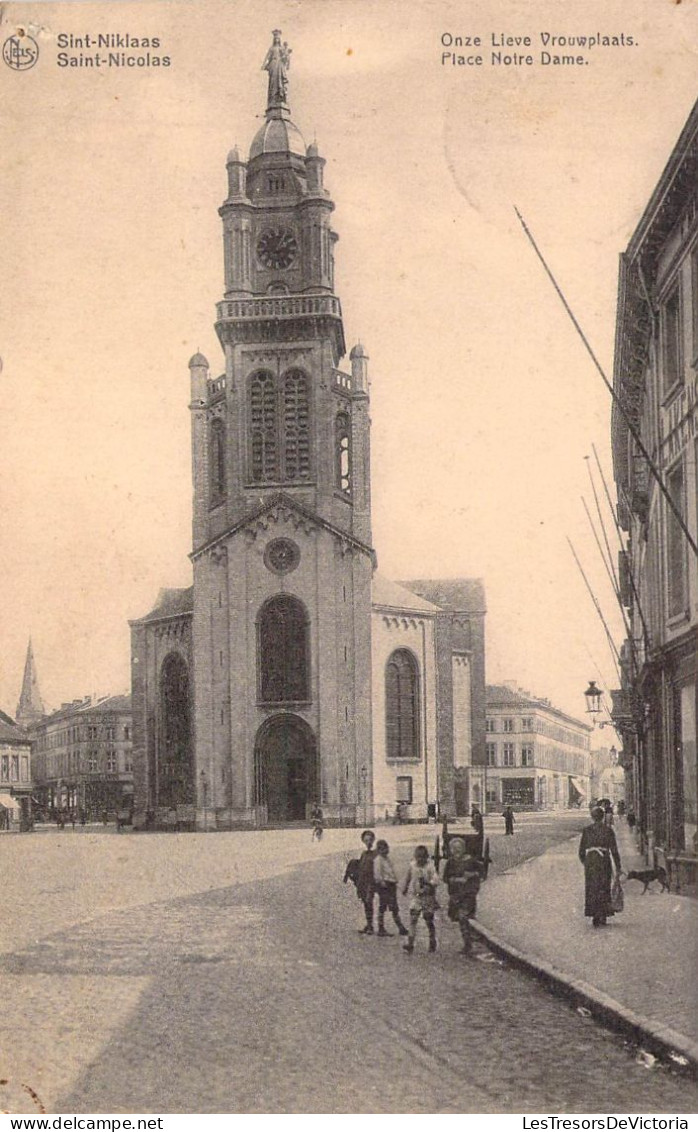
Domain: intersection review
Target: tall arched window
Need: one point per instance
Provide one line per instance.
(283, 651)
(217, 458)
(296, 426)
(264, 442)
(342, 448)
(402, 706)
(175, 754)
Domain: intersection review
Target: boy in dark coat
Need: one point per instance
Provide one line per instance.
(365, 883)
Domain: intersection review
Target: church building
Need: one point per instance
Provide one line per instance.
(291, 673)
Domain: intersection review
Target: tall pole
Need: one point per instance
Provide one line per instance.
(632, 429)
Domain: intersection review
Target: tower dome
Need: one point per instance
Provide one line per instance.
(277, 135)
(198, 360)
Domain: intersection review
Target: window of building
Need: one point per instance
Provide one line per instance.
(109, 734)
(217, 472)
(508, 725)
(490, 725)
(5, 768)
(672, 345)
(508, 755)
(111, 761)
(403, 787)
(676, 546)
(402, 706)
(491, 752)
(527, 755)
(491, 794)
(128, 762)
(14, 768)
(283, 651)
(127, 732)
(342, 440)
(296, 425)
(92, 762)
(264, 453)
(527, 723)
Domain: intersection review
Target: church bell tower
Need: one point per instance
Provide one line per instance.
(282, 548)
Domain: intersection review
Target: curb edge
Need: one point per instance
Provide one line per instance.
(658, 1037)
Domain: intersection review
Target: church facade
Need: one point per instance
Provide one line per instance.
(291, 673)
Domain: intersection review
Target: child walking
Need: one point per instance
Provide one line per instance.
(365, 881)
(420, 884)
(386, 885)
(462, 875)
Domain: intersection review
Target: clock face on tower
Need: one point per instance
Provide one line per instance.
(277, 248)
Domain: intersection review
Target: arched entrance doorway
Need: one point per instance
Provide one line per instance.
(286, 771)
(175, 754)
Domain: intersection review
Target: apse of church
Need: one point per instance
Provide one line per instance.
(257, 692)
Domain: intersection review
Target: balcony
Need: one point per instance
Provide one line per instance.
(281, 318)
(279, 307)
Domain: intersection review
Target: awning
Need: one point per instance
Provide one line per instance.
(9, 802)
(578, 785)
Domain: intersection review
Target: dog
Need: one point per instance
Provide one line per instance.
(646, 876)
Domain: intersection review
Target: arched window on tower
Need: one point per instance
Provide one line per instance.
(283, 659)
(217, 458)
(402, 706)
(264, 440)
(342, 442)
(296, 426)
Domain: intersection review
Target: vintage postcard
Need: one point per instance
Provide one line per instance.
(350, 590)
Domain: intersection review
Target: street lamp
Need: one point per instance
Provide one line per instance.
(204, 795)
(364, 779)
(593, 698)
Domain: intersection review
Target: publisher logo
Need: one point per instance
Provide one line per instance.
(20, 52)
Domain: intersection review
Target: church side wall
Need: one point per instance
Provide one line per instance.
(392, 630)
(150, 645)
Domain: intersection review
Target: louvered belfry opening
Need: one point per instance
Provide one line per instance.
(279, 427)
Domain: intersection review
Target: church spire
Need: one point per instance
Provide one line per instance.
(30, 708)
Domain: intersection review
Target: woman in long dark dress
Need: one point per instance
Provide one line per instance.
(596, 850)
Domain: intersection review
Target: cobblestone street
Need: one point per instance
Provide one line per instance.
(244, 987)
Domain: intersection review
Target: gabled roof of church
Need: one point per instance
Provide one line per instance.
(458, 595)
(170, 603)
(283, 500)
(394, 595)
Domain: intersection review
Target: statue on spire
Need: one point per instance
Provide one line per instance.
(277, 63)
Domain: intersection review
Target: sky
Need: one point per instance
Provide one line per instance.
(484, 405)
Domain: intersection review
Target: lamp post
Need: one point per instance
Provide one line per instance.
(204, 798)
(364, 779)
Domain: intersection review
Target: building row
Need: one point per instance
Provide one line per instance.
(655, 459)
(537, 757)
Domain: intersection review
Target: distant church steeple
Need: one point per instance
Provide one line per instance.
(30, 708)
